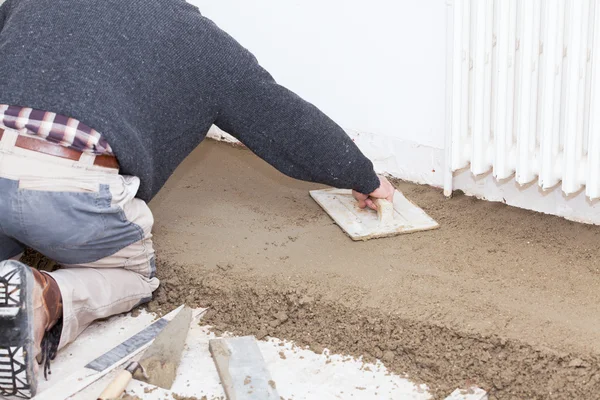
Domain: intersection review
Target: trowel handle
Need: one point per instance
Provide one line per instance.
(116, 388)
(118, 385)
(385, 211)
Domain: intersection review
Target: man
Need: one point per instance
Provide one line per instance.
(100, 100)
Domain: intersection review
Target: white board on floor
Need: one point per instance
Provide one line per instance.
(242, 368)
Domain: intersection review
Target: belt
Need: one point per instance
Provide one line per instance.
(52, 149)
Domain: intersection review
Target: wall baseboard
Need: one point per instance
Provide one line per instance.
(576, 207)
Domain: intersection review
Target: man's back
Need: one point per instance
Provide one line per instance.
(145, 73)
(152, 76)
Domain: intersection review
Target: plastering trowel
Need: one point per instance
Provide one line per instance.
(158, 364)
(390, 219)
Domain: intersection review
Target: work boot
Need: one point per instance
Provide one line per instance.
(30, 327)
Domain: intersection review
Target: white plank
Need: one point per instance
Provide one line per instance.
(242, 368)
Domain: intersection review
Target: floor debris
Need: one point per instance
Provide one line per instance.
(303, 374)
(161, 361)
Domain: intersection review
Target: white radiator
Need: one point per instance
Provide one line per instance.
(525, 96)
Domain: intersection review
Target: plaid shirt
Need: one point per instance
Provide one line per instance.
(54, 128)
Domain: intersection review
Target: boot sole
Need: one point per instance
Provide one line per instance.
(17, 376)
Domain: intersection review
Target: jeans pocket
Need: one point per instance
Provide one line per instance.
(58, 185)
(62, 220)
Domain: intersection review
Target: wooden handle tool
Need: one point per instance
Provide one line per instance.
(118, 385)
(385, 211)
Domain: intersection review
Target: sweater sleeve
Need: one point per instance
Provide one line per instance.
(3, 12)
(292, 134)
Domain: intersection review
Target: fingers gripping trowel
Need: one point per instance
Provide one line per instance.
(158, 364)
(396, 218)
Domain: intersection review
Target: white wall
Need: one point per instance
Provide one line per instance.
(377, 68)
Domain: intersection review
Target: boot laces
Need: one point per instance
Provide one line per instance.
(50, 343)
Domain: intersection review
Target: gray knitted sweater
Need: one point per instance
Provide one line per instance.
(153, 76)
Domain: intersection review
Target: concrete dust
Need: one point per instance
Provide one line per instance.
(443, 358)
(128, 396)
(179, 397)
(161, 373)
(161, 360)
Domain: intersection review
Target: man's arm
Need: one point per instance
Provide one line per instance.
(292, 134)
(3, 11)
(4, 6)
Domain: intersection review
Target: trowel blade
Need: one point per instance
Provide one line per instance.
(161, 359)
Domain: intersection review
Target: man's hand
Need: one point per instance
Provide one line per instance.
(384, 191)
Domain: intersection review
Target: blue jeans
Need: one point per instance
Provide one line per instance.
(87, 219)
